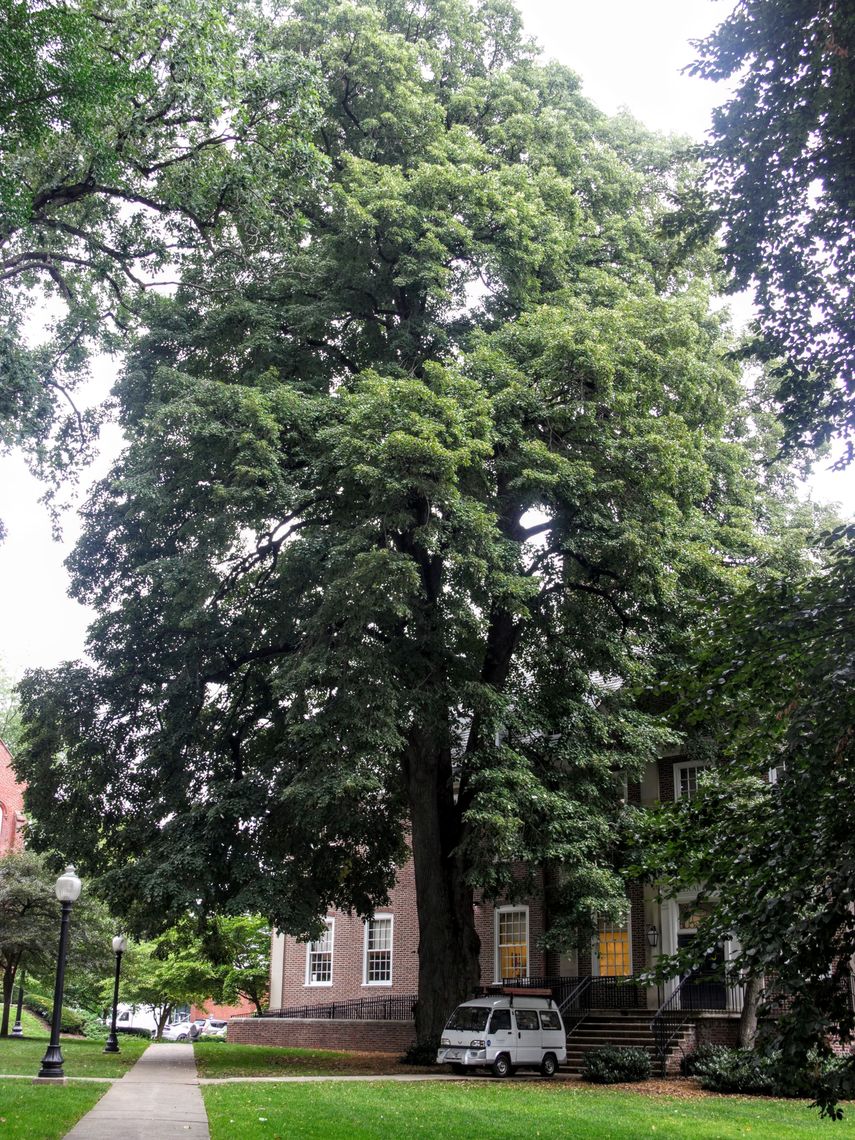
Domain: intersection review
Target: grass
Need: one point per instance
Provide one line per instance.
(469, 1111)
(81, 1057)
(220, 1059)
(37, 1112)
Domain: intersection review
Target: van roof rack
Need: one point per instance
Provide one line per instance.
(526, 991)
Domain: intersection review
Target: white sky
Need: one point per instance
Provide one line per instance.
(627, 52)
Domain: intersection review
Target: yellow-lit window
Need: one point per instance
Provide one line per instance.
(613, 949)
(512, 935)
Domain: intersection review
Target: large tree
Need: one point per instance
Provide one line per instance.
(404, 520)
(782, 165)
(132, 134)
(771, 834)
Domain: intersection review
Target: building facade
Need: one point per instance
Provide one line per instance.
(11, 806)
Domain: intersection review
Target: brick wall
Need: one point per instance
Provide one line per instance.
(12, 803)
(222, 1012)
(358, 1036)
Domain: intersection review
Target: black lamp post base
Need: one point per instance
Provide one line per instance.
(112, 1045)
(51, 1069)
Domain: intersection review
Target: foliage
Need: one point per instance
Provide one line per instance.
(781, 163)
(774, 685)
(750, 1071)
(243, 948)
(132, 135)
(167, 972)
(613, 1065)
(10, 712)
(689, 1062)
(405, 520)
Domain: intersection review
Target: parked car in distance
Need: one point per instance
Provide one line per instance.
(177, 1031)
(520, 1029)
(213, 1027)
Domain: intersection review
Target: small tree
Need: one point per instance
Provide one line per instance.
(167, 972)
(246, 942)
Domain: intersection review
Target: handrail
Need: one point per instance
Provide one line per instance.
(575, 996)
(669, 1019)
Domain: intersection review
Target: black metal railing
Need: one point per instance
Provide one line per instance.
(587, 991)
(397, 1008)
(669, 1019)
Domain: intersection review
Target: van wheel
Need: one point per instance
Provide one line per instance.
(549, 1065)
(502, 1066)
(461, 1070)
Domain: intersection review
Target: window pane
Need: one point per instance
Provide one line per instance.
(513, 944)
(320, 958)
(378, 950)
(613, 949)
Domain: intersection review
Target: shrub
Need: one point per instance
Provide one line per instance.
(94, 1028)
(611, 1065)
(421, 1054)
(747, 1071)
(737, 1071)
(127, 1031)
(690, 1062)
(73, 1020)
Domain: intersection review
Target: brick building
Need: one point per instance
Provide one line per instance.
(356, 961)
(11, 806)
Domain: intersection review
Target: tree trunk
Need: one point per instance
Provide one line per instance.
(8, 987)
(748, 1017)
(162, 1020)
(449, 946)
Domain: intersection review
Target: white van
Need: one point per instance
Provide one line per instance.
(517, 1029)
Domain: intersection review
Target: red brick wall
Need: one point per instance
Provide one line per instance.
(222, 1012)
(348, 950)
(12, 803)
(349, 942)
(358, 1036)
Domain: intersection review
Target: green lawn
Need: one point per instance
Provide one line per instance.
(220, 1059)
(37, 1112)
(81, 1058)
(385, 1110)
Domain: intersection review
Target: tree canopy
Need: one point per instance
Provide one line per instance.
(771, 834)
(131, 135)
(406, 518)
(782, 164)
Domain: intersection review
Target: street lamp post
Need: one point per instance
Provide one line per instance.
(68, 892)
(17, 1030)
(120, 945)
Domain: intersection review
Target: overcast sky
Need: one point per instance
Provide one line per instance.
(628, 53)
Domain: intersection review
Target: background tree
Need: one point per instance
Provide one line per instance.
(405, 520)
(775, 687)
(10, 711)
(782, 159)
(29, 930)
(244, 947)
(131, 135)
(167, 972)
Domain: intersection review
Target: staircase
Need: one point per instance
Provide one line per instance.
(621, 1028)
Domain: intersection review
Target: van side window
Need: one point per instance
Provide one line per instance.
(549, 1019)
(501, 1019)
(526, 1019)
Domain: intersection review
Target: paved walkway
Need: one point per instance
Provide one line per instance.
(158, 1097)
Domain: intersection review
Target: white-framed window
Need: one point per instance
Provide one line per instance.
(686, 774)
(377, 957)
(613, 949)
(319, 957)
(511, 942)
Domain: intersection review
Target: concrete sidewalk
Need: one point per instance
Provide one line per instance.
(158, 1097)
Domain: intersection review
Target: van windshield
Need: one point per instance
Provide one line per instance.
(469, 1018)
